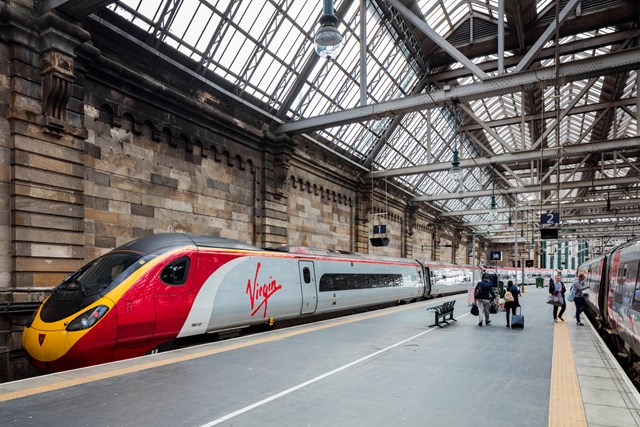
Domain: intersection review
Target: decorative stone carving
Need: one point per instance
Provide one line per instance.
(58, 75)
(283, 149)
(365, 207)
(281, 164)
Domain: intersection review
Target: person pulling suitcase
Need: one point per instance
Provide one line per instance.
(511, 300)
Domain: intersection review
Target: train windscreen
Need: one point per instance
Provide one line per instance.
(88, 284)
(99, 273)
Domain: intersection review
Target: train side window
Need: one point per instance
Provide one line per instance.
(306, 275)
(176, 273)
(634, 276)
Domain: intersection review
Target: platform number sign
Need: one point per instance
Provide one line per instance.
(550, 218)
(380, 229)
(496, 256)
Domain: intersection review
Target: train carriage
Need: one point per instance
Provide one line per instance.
(144, 295)
(614, 294)
(447, 279)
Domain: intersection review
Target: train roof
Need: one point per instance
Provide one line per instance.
(157, 242)
(308, 250)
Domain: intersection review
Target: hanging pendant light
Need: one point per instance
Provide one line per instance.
(455, 172)
(328, 39)
(494, 209)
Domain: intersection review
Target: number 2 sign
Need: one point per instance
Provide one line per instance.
(550, 218)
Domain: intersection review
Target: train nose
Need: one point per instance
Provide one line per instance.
(70, 343)
(44, 346)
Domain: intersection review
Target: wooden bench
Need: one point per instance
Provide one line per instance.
(443, 313)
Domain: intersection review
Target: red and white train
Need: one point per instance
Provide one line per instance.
(143, 296)
(614, 296)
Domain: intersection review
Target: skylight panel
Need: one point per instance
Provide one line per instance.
(458, 12)
(184, 21)
(302, 12)
(286, 42)
(140, 12)
(255, 18)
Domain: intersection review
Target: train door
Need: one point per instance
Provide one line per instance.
(426, 278)
(173, 296)
(309, 288)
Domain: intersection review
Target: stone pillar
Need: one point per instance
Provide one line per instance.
(411, 220)
(272, 227)
(362, 211)
(45, 143)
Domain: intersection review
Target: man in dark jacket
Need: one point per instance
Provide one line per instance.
(484, 294)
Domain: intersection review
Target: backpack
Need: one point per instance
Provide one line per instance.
(570, 295)
(508, 296)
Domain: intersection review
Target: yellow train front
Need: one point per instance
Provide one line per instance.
(106, 310)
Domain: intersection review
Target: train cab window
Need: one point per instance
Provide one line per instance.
(306, 275)
(176, 273)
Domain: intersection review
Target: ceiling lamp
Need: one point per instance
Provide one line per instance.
(328, 39)
(455, 172)
(494, 209)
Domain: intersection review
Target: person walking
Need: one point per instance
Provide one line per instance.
(577, 288)
(484, 294)
(557, 286)
(511, 300)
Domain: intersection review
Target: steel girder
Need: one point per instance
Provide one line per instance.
(552, 206)
(520, 156)
(625, 60)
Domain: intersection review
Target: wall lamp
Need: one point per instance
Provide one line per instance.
(455, 172)
(328, 39)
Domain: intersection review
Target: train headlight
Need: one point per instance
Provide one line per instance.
(88, 318)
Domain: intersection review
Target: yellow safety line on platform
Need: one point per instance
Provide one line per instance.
(233, 345)
(565, 400)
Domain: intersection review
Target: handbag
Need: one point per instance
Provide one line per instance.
(508, 297)
(517, 320)
(475, 310)
(555, 299)
(493, 308)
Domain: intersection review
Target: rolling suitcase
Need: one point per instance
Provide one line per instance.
(517, 320)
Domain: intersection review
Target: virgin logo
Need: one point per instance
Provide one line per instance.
(259, 294)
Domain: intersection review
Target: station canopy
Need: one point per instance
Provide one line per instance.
(538, 98)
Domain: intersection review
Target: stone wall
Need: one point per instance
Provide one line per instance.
(137, 186)
(320, 212)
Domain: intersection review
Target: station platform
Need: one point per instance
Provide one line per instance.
(380, 368)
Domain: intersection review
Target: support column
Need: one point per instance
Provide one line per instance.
(272, 228)
(42, 159)
(411, 221)
(46, 145)
(362, 208)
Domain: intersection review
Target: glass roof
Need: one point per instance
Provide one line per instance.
(265, 48)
